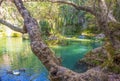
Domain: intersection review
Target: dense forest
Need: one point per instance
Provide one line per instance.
(57, 22)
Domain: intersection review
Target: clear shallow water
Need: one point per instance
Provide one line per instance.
(15, 54)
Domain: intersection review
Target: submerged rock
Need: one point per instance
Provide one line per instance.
(82, 36)
(9, 72)
(16, 73)
(81, 67)
(22, 69)
(100, 36)
(13, 72)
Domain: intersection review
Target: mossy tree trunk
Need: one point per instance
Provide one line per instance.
(107, 23)
(43, 52)
(111, 29)
(47, 57)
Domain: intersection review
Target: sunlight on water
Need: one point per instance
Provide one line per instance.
(16, 54)
(8, 32)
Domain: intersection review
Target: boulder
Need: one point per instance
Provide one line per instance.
(100, 36)
(82, 36)
(53, 38)
(14, 72)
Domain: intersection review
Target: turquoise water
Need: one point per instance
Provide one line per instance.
(15, 54)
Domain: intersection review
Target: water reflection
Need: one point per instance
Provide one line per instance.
(74, 52)
(15, 54)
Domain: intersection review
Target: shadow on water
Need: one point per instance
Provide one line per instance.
(16, 54)
(73, 53)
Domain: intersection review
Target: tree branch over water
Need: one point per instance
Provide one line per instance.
(15, 28)
(45, 55)
(84, 8)
(78, 7)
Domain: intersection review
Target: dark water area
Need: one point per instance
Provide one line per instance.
(17, 57)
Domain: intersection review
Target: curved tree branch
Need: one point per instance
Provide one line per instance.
(15, 28)
(47, 57)
(84, 8)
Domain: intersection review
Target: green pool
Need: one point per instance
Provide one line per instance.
(15, 54)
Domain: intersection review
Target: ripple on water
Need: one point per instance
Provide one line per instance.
(16, 53)
(24, 76)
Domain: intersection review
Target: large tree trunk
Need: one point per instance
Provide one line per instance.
(108, 24)
(41, 50)
(111, 29)
(47, 57)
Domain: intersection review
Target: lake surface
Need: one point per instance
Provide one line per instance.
(15, 54)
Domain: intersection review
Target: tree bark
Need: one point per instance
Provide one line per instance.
(84, 8)
(107, 23)
(104, 17)
(15, 28)
(47, 57)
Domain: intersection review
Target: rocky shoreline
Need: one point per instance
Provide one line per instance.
(94, 60)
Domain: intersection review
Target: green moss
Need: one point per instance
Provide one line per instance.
(117, 37)
(117, 51)
(107, 63)
(110, 55)
(110, 49)
(64, 42)
(114, 25)
(100, 55)
(114, 68)
(95, 62)
(15, 35)
(1, 30)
